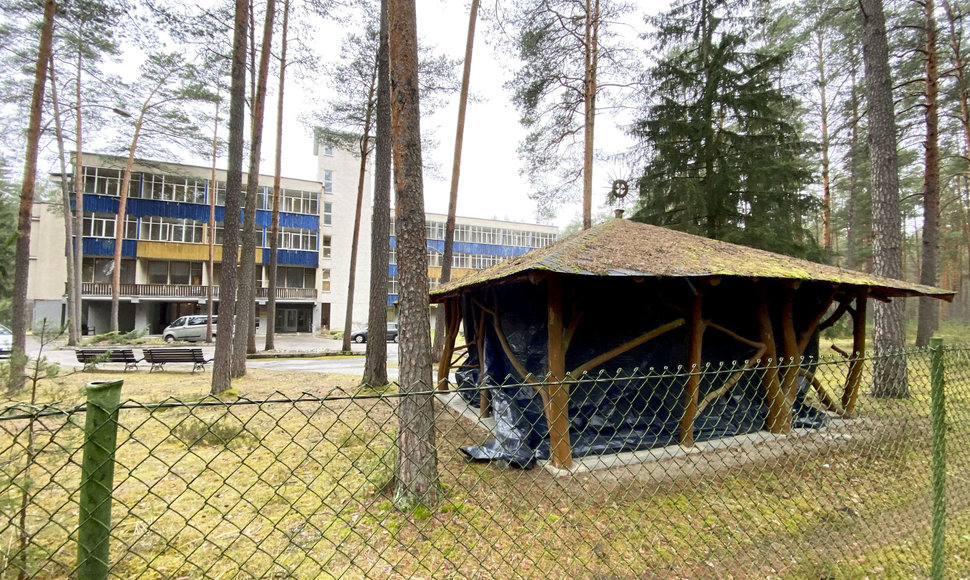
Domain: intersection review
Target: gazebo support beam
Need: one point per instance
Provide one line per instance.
(692, 388)
(770, 380)
(556, 401)
(452, 324)
(792, 360)
(854, 377)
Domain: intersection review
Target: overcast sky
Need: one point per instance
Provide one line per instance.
(490, 184)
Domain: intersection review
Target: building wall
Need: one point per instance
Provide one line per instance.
(47, 261)
(346, 174)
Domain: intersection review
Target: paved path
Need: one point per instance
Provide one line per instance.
(285, 343)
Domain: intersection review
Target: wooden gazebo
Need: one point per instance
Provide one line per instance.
(608, 291)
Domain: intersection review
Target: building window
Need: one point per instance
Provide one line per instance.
(434, 230)
(392, 256)
(295, 277)
(325, 278)
(99, 225)
(172, 188)
(328, 150)
(391, 229)
(297, 239)
(434, 259)
(392, 287)
(432, 282)
(181, 273)
(102, 225)
(101, 181)
(162, 229)
(460, 260)
(327, 213)
(264, 198)
(100, 269)
(327, 181)
(325, 247)
(298, 201)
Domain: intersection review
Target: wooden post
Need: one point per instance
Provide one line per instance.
(854, 377)
(557, 402)
(769, 377)
(792, 360)
(452, 323)
(692, 388)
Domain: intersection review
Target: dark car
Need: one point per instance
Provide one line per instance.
(390, 336)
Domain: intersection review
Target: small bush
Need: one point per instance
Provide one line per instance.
(114, 337)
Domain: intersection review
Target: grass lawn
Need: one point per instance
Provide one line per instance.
(304, 490)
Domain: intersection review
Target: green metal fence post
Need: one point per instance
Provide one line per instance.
(97, 475)
(938, 414)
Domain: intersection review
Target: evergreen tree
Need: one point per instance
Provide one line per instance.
(724, 158)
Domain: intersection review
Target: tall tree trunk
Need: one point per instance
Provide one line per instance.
(417, 463)
(826, 182)
(245, 322)
(889, 372)
(591, 58)
(274, 243)
(78, 196)
(72, 332)
(449, 250)
(120, 222)
(222, 363)
(929, 308)
(852, 231)
(18, 359)
(211, 264)
(375, 334)
(375, 361)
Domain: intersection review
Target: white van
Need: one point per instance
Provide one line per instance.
(191, 328)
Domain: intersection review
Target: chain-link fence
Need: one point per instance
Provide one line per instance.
(304, 486)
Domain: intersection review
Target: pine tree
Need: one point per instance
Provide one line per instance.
(725, 160)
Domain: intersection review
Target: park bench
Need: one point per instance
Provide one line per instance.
(158, 357)
(90, 357)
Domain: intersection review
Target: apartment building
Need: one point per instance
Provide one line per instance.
(165, 249)
(164, 268)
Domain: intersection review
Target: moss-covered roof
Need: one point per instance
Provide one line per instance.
(625, 248)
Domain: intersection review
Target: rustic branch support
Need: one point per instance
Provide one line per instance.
(854, 377)
(770, 380)
(824, 396)
(692, 388)
(452, 324)
(629, 345)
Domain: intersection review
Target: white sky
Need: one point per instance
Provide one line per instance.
(490, 185)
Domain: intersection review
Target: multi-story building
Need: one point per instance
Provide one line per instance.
(164, 267)
(165, 250)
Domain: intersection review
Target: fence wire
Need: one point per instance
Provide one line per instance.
(300, 486)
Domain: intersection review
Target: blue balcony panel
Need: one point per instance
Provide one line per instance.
(106, 247)
(293, 258)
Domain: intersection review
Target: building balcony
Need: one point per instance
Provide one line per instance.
(180, 292)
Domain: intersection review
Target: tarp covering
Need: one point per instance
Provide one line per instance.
(634, 401)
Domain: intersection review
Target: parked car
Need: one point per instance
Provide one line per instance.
(191, 328)
(6, 341)
(390, 336)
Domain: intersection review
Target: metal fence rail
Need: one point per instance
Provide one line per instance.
(302, 486)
